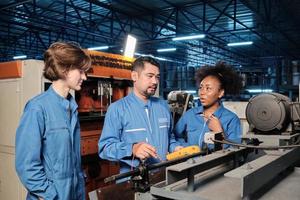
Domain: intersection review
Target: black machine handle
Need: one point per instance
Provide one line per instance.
(144, 169)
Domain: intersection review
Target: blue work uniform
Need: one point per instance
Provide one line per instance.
(192, 126)
(48, 160)
(129, 121)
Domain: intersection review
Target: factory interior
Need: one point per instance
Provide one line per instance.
(258, 39)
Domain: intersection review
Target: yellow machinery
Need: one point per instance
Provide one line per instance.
(186, 151)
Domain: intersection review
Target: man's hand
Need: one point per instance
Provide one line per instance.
(143, 150)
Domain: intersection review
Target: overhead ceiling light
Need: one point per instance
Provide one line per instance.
(166, 50)
(239, 43)
(158, 58)
(130, 46)
(162, 59)
(98, 48)
(191, 37)
(259, 90)
(20, 57)
(191, 91)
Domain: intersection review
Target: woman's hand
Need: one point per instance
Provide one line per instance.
(214, 124)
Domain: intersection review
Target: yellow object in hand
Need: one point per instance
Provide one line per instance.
(186, 151)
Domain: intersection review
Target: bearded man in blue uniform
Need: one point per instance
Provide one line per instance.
(138, 126)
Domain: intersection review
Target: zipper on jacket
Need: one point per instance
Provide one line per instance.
(147, 113)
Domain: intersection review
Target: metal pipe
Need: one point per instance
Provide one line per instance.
(141, 169)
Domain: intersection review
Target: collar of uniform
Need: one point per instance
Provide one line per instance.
(217, 113)
(140, 102)
(199, 110)
(67, 103)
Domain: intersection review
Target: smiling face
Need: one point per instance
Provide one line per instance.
(146, 80)
(74, 79)
(210, 91)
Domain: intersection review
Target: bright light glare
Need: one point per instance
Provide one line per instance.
(166, 50)
(20, 57)
(239, 43)
(259, 90)
(98, 48)
(130, 46)
(191, 37)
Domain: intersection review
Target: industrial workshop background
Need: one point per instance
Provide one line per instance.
(259, 38)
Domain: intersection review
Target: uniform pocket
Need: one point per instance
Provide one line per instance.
(135, 134)
(57, 125)
(58, 147)
(58, 132)
(192, 135)
(163, 123)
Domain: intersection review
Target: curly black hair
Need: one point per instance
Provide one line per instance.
(230, 80)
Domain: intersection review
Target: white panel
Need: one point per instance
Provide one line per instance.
(10, 186)
(10, 110)
(32, 79)
(239, 108)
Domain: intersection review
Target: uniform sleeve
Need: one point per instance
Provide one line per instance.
(233, 132)
(29, 152)
(178, 133)
(110, 145)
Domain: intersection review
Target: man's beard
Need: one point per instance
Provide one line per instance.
(149, 94)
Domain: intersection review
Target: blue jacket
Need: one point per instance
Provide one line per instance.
(48, 158)
(193, 126)
(126, 123)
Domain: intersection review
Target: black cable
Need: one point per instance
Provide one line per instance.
(255, 147)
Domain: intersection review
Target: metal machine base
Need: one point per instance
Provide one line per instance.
(271, 176)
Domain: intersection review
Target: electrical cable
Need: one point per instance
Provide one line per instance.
(255, 147)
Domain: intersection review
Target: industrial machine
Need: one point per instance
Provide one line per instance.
(273, 119)
(264, 166)
(179, 102)
(108, 80)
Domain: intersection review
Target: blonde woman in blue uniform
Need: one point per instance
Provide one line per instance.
(48, 160)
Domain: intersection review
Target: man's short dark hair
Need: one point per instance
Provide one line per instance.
(139, 63)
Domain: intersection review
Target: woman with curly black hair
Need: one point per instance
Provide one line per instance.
(213, 83)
